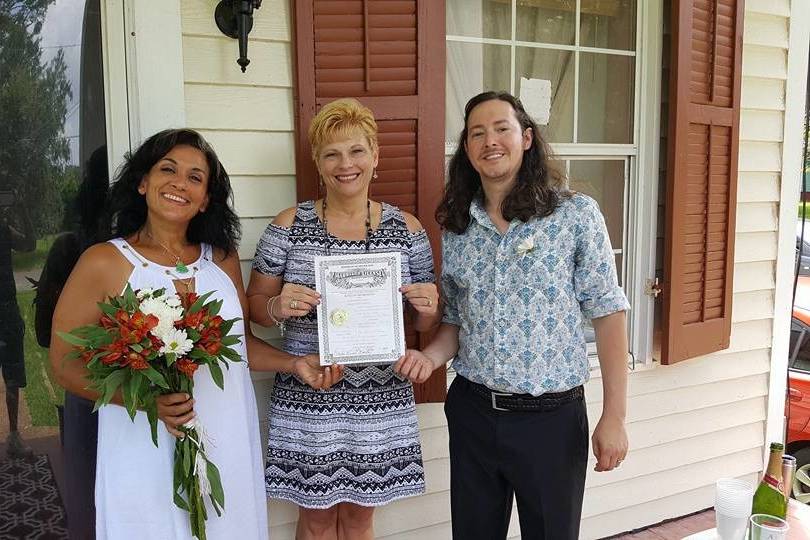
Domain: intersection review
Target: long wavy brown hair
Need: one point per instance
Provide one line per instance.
(537, 191)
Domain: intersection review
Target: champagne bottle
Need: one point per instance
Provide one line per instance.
(769, 497)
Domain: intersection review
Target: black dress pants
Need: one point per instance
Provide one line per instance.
(539, 457)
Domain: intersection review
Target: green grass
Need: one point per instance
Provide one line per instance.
(41, 395)
(33, 259)
(804, 209)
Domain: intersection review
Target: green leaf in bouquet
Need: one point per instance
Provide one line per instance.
(158, 293)
(214, 308)
(171, 358)
(132, 392)
(136, 347)
(111, 383)
(153, 375)
(186, 458)
(217, 493)
(230, 341)
(198, 354)
(216, 374)
(226, 326)
(230, 354)
(200, 302)
(193, 334)
(130, 300)
(152, 416)
(73, 339)
(108, 309)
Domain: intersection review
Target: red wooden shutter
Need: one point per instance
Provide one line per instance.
(702, 176)
(390, 55)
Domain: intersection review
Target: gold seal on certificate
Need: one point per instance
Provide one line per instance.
(360, 315)
(338, 317)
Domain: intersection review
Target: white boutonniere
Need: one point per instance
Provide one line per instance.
(525, 246)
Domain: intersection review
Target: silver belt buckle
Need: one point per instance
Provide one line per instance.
(493, 395)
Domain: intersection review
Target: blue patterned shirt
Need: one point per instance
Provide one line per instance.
(520, 299)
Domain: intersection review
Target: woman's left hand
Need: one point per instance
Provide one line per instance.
(309, 369)
(424, 297)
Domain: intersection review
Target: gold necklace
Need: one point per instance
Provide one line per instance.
(179, 265)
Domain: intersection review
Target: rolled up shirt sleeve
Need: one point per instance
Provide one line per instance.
(271, 251)
(595, 283)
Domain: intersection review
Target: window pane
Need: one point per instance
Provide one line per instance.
(53, 179)
(479, 18)
(471, 69)
(606, 97)
(552, 22)
(608, 25)
(558, 68)
(604, 181)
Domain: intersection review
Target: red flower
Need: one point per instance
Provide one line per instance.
(213, 347)
(188, 299)
(115, 351)
(107, 322)
(187, 366)
(193, 320)
(136, 361)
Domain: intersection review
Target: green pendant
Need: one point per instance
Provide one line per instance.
(181, 267)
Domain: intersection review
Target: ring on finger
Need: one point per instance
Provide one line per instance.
(293, 304)
(430, 302)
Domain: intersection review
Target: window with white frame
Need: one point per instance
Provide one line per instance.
(578, 67)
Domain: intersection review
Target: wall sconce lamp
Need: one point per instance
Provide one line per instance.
(234, 18)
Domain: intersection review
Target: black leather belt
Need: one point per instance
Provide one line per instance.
(502, 401)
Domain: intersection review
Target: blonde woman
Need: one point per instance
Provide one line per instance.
(339, 453)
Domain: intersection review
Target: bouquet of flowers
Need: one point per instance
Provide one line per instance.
(148, 343)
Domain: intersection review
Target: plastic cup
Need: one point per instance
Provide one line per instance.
(731, 527)
(733, 497)
(732, 507)
(765, 527)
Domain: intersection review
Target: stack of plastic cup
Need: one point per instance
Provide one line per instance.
(732, 507)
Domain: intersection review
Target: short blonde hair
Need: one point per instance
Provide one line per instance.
(340, 118)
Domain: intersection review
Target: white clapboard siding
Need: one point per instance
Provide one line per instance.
(763, 93)
(254, 153)
(212, 60)
(762, 61)
(757, 246)
(751, 306)
(652, 460)
(754, 276)
(256, 196)
(755, 186)
(767, 7)
(754, 217)
(766, 30)
(758, 125)
(760, 156)
(253, 108)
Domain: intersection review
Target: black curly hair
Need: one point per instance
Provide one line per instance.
(126, 207)
(536, 193)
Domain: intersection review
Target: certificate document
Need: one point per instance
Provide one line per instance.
(360, 314)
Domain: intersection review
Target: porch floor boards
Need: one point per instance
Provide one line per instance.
(674, 529)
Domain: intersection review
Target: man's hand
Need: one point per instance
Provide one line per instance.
(414, 366)
(609, 443)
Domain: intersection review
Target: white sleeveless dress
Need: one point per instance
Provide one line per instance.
(134, 479)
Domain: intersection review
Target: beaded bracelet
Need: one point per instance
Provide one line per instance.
(269, 307)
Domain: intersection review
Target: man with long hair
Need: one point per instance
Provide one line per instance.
(525, 263)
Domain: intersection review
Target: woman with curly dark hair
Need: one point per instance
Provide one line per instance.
(174, 229)
(525, 262)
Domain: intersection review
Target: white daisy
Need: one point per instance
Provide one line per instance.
(176, 342)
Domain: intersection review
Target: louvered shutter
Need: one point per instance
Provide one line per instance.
(390, 55)
(703, 145)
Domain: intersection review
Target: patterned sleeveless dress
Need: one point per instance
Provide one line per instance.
(358, 441)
